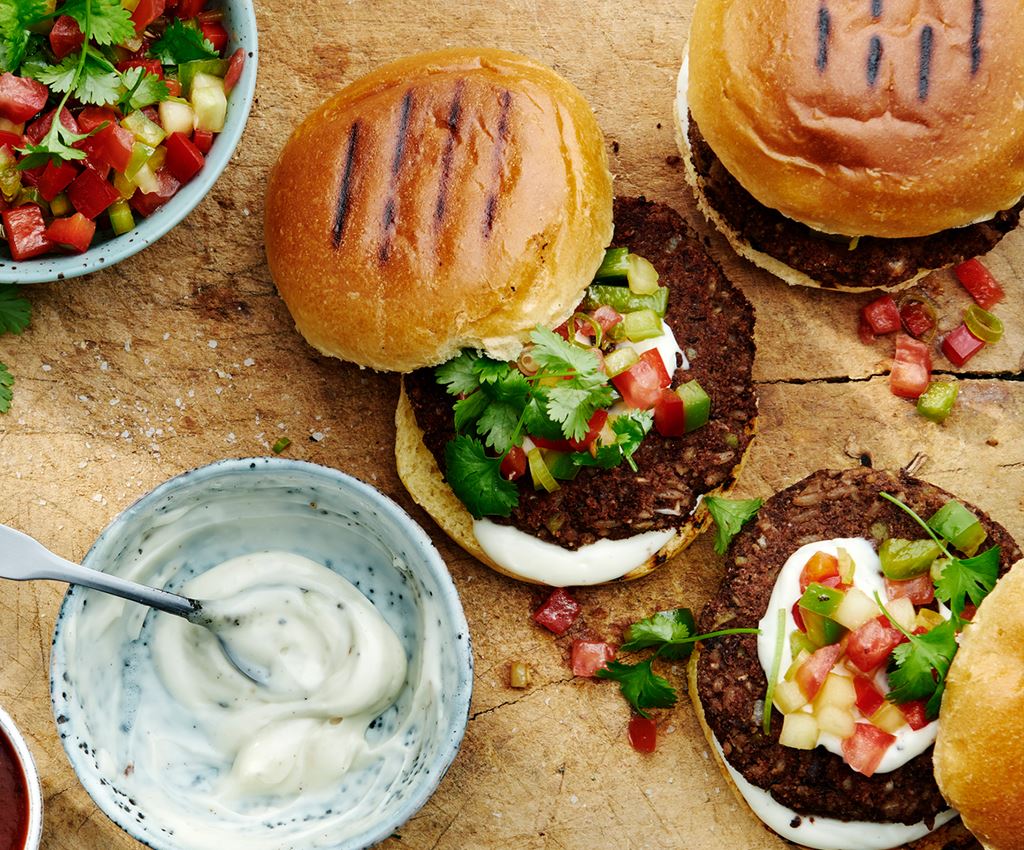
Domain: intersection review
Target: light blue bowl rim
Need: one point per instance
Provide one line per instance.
(458, 716)
(149, 230)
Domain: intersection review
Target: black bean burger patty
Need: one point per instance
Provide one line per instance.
(731, 684)
(714, 324)
(875, 262)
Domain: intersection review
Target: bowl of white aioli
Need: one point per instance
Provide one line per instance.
(344, 605)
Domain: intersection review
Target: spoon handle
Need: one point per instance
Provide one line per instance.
(22, 557)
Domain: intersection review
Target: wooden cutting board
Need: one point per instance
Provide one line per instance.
(184, 354)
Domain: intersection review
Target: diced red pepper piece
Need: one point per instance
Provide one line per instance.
(916, 319)
(920, 590)
(812, 673)
(869, 698)
(914, 711)
(30, 176)
(151, 66)
(66, 36)
(203, 140)
(11, 140)
(90, 194)
(911, 367)
(589, 656)
(95, 116)
(214, 32)
(20, 97)
(643, 734)
(35, 131)
(147, 204)
(558, 612)
(881, 315)
(670, 414)
(234, 73)
(819, 567)
(513, 465)
(173, 88)
(55, 179)
(184, 160)
(864, 749)
(189, 8)
(146, 12)
(26, 232)
(641, 384)
(75, 232)
(960, 345)
(110, 146)
(980, 283)
(872, 644)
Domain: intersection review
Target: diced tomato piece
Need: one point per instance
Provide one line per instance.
(95, 116)
(558, 612)
(173, 88)
(589, 656)
(798, 617)
(978, 281)
(147, 204)
(920, 590)
(214, 32)
(75, 232)
(146, 12)
(643, 734)
(110, 146)
(670, 415)
(914, 711)
(811, 674)
(969, 611)
(960, 345)
(151, 66)
(35, 131)
(513, 465)
(20, 97)
(863, 751)
(554, 445)
(641, 384)
(872, 644)
(11, 140)
(203, 140)
(30, 176)
(916, 319)
(881, 315)
(184, 160)
(26, 232)
(55, 179)
(66, 36)
(819, 566)
(605, 316)
(189, 8)
(234, 73)
(594, 427)
(869, 698)
(90, 194)
(911, 367)
(864, 332)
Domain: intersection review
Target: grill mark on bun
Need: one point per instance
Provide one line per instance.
(454, 119)
(925, 63)
(977, 17)
(874, 60)
(401, 137)
(344, 190)
(824, 31)
(491, 208)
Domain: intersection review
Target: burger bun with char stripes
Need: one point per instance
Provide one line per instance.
(448, 200)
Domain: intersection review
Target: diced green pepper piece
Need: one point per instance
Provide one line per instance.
(799, 642)
(641, 325)
(624, 301)
(560, 465)
(696, 405)
(821, 631)
(121, 218)
(60, 206)
(905, 559)
(141, 154)
(936, 402)
(188, 70)
(618, 361)
(821, 599)
(146, 131)
(614, 263)
(959, 526)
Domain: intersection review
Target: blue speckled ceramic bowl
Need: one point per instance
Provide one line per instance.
(230, 508)
(108, 249)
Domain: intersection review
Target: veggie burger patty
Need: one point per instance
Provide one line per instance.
(714, 325)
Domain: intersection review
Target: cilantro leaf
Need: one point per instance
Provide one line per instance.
(468, 410)
(459, 375)
(919, 667)
(640, 685)
(666, 630)
(730, 515)
(99, 83)
(16, 16)
(629, 428)
(535, 417)
(15, 311)
(53, 147)
(489, 371)
(103, 21)
(572, 406)
(6, 382)
(571, 402)
(59, 77)
(506, 399)
(968, 578)
(182, 43)
(476, 479)
(141, 88)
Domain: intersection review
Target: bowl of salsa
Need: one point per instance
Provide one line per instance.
(21, 799)
(116, 119)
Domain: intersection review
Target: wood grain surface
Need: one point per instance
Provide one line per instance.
(184, 354)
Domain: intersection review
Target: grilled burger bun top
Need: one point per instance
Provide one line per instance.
(447, 200)
(980, 746)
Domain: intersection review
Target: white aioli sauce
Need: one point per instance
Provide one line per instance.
(331, 665)
(867, 577)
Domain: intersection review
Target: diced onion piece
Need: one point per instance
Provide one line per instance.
(847, 567)
(641, 324)
(141, 155)
(176, 116)
(618, 361)
(836, 721)
(789, 697)
(146, 179)
(800, 731)
(838, 691)
(902, 613)
(642, 276)
(889, 718)
(796, 665)
(983, 324)
(209, 102)
(146, 131)
(855, 609)
(539, 471)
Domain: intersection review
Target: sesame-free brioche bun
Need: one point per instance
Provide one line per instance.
(448, 200)
(980, 747)
(890, 119)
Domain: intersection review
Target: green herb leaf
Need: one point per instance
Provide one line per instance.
(968, 578)
(730, 515)
(59, 77)
(572, 401)
(15, 311)
(920, 666)
(459, 375)
(629, 428)
(476, 479)
(489, 371)
(102, 21)
(640, 685)
(468, 410)
(6, 382)
(141, 89)
(16, 16)
(53, 147)
(182, 42)
(98, 84)
(506, 399)
(666, 630)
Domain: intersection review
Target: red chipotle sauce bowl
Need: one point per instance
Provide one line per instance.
(21, 802)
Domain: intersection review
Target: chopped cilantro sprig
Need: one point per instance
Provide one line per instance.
(730, 515)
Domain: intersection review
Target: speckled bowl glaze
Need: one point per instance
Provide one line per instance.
(28, 768)
(240, 21)
(203, 517)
